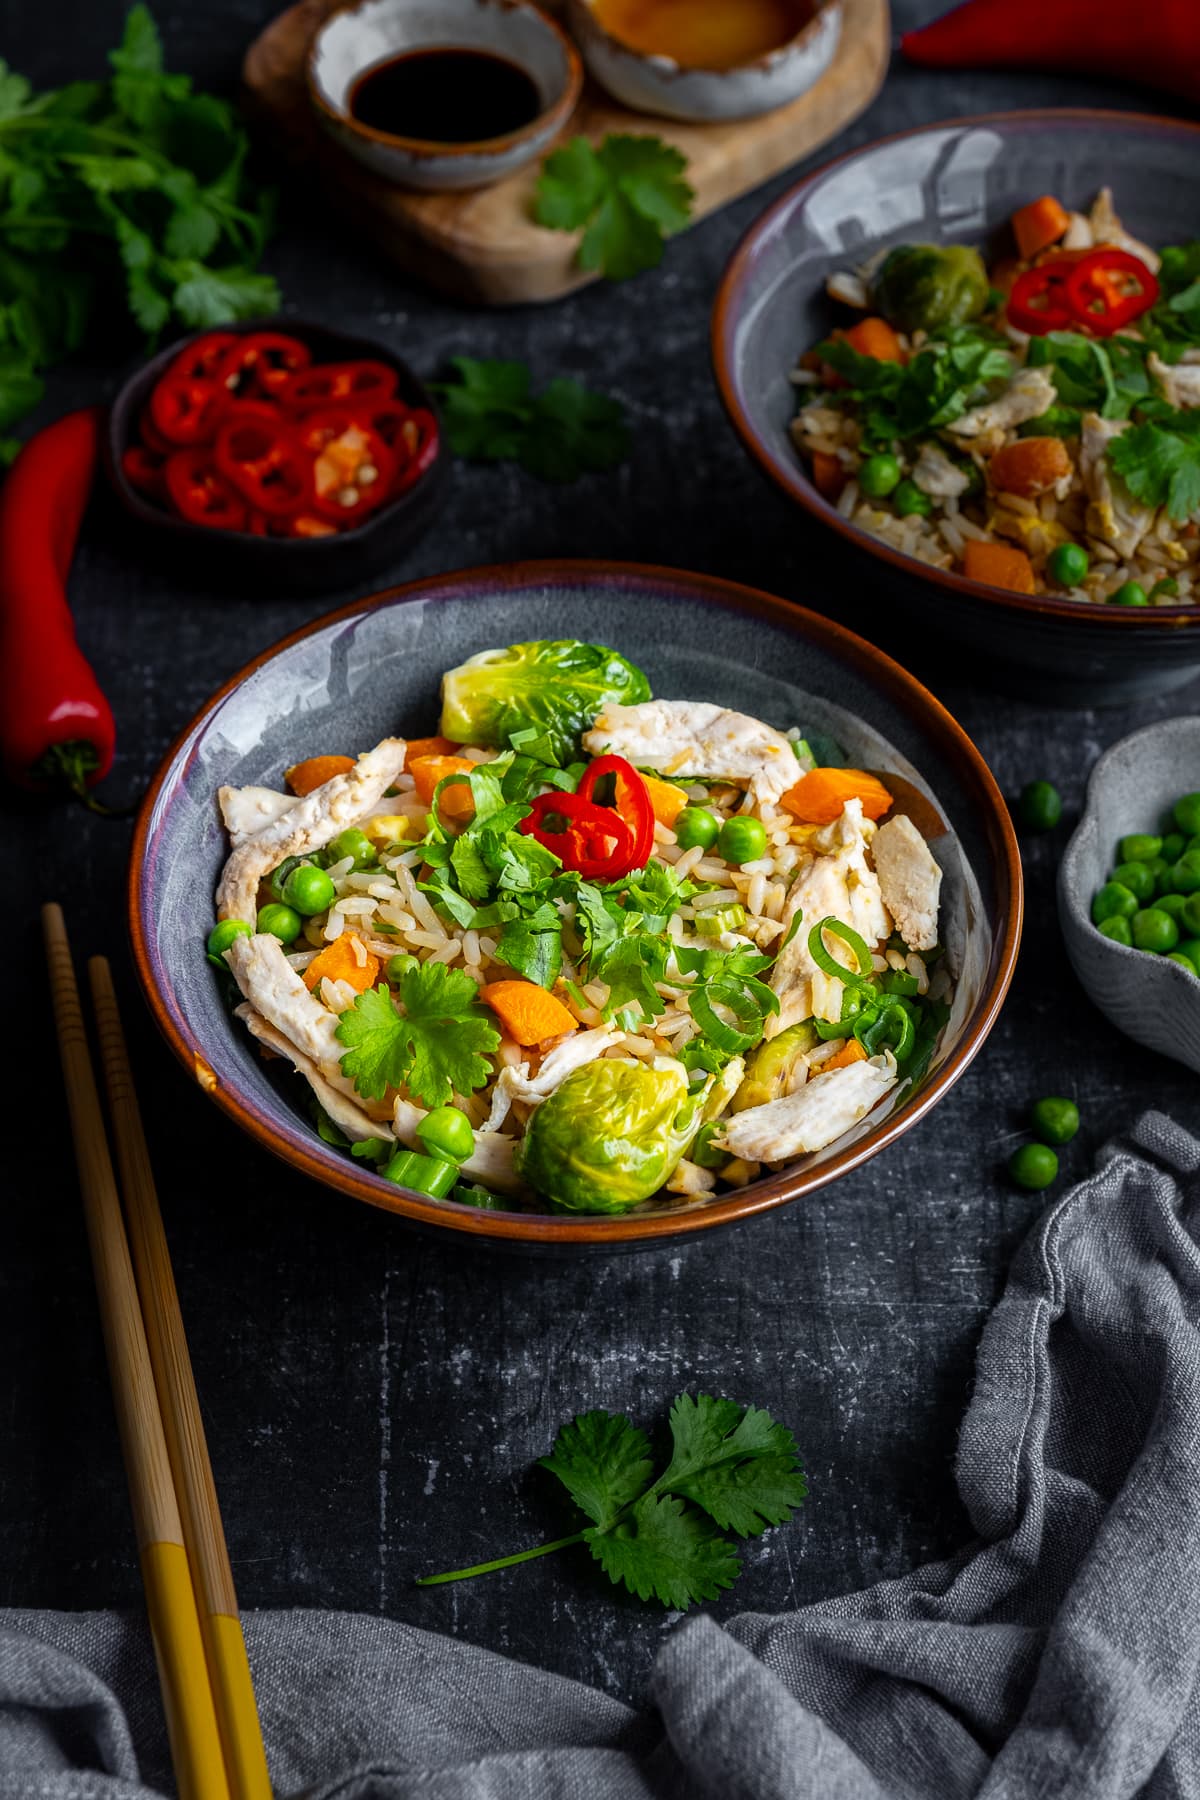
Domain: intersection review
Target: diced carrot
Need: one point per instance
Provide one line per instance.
(999, 565)
(431, 746)
(1029, 466)
(1039, 225)
(850, 1052)
(875, 337)
(456, 802)
(667, 800)
(829, 477)
(303, 777)
(819, 797)
(339, 962)
(527, 1012)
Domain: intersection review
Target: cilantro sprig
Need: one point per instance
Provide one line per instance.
(732, 1469)
(435, 1048)
(1159, 460)
(948, 375)
(626, 197)
(132, 187)
(492, 415)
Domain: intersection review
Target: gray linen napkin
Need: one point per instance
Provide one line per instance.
(1055, 1657)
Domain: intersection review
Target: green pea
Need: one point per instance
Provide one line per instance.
(279, 921)
(704, 1152)
(222, 935)
(309, 890)
(1165, 589)
(742, 840)
(1187, 814)
(1190, 947)
(1139, 847)
(1160, 868)
(1117, 929)
(447, 1132)
(1136, 877)
(1054, 1121)
(1185, 962)
(1173, 905)
(1183, 877)
(1040, 806)
(355, 843)
(1154, 930)
(879, 475)
(1188, 913)
(910, 502)
(1130, 593)
(397, 967)
(1069, 564)
(696, 828)
(1173, 846)
(1033, 1166)
(1114, 901)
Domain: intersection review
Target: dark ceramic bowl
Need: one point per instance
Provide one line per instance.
(953, 183)
(375, 668)
(291, 565)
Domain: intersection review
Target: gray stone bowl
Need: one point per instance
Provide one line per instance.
(954, 183)
(375, 667)
(1153, 1001)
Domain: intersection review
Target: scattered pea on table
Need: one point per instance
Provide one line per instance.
(1033, 1166)
(1054, 1120)
(1040, 806)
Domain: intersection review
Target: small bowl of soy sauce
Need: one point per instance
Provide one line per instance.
(447, 97)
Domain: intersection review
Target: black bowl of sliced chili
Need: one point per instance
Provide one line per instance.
(314, 456)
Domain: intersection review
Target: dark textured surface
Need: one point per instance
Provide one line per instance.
(374, 1402)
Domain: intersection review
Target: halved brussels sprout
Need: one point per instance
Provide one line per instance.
(770, 1066)
(609, 1137)
(556, 686)
(923, 287)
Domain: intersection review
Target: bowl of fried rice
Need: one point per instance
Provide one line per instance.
(973, 352)
(567, 906)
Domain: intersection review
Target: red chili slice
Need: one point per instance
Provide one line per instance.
(202, 358)
(631, 798)
(200, 494)
(257, 453)
(143, 470)
(262, 362)
(419, 435)
(352, 467)
(186, 409)
(1110, 288)
(1038, 302)
(326, 383)
(592, 841)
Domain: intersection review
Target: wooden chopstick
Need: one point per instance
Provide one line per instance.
(170, 1597)
(195, 1489)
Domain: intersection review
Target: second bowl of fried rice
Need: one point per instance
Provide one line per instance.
(969, 352)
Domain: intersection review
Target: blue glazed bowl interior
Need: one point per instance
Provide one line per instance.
(950, 183)
(353, 680)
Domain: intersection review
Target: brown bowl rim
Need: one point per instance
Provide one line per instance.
(429, 149)
(796, 484)
(765, 61)
(597, 1230)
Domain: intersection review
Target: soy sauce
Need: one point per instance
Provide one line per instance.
(446, 96)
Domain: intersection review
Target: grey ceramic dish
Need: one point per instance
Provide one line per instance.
(373, 668)
(958, 182)
(1153, 1001)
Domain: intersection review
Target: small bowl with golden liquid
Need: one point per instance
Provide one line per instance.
(706, 60)
(443, 94)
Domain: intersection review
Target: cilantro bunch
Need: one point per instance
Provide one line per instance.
(130, 190)
(732, 1470)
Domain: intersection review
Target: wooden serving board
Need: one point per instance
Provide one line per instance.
(484, 246)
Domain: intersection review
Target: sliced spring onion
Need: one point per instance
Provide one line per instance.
(745, 1006)
(875, 1031)
(828, 963)
(713, 920)
(899, 981)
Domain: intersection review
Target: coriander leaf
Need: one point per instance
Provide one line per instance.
(535, 954)
(207, 296)
(629, 194)
(667, 1552)
(491, 415)
(574, 431)
(1160, 466)
(738, 1465)
(15, 91)
(192, 231)
(436, 1048)
(630, 970)
(473, 875)
(603, 1461)
(139, 85)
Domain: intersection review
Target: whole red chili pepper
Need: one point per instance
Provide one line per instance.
(56, 727)
(1104, 37)
(631, 797)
